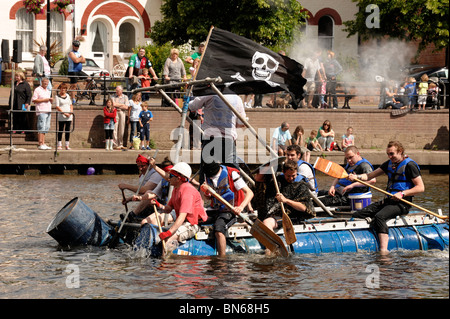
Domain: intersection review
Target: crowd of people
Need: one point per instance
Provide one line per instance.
(322, 139)
(133, 110)
(410, 95)
(190, 205)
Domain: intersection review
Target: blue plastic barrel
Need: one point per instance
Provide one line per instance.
(77, 224)
(147, 239)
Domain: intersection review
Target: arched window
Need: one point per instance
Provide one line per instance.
(56, 30)
(127, 36)
(99, 34)
(325, 26)
(25, 29)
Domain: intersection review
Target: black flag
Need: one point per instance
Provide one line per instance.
(247, 67)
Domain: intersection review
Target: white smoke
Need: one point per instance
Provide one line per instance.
(386, 58)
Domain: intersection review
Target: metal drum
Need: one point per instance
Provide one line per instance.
(77, 224)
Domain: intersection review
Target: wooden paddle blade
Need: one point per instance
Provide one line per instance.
(268, 238)
(288, 228)
(330, 168)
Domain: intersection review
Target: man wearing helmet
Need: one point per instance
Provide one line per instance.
(187, 203)
(76, 61)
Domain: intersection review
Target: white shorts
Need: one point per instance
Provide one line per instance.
(187, 231)
(422, 99)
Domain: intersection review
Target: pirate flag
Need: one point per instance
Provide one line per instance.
(247, 67)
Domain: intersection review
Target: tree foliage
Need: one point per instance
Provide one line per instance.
(424, 21)
(271, 23)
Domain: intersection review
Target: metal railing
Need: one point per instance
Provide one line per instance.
(347, 90)
(56, 130)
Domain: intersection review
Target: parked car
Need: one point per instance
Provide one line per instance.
(90, 68)
(438, 75)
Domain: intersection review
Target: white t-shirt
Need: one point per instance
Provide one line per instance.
(311, 68)
(306, 171)
(64, 105)
(135, 110)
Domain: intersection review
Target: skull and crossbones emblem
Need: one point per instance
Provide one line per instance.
(263, 66)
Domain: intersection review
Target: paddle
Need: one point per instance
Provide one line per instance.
(160, 229)
(337, 171)
(125, 200)
(261, 232)
(288, 228)
(115, 240)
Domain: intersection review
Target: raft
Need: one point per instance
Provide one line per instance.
(415, 231)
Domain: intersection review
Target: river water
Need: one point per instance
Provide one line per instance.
(33, 266)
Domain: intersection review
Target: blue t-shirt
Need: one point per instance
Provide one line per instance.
(145, 116)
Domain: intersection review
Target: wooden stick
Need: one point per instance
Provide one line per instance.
(160, 229)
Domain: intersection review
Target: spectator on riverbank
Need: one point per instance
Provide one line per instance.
(137, 63)
(21, 102)
(348, 139)
(133, 116)
(120, 102)
(43, 100)
(332, 70)
(145, 116)
(325, 135)
(298, 138)
(109, 121)
(281, 138)
(312, 143)
(41, 67)
(196, 55)
(174, 72)
(65, 106)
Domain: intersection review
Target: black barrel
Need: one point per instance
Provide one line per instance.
(77, 224)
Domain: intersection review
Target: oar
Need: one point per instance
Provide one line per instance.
(337, 171)
(261, 232)
(125, 200)
(114, 241)
(160, 230)
(288, 228)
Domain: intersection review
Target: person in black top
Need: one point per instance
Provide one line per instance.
(21, 102)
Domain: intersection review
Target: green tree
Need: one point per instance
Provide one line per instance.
(272, 23)
(424, 21)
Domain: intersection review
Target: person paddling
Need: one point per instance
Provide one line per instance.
(404, 181)
(188, 206)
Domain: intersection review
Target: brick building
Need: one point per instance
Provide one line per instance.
(110, 29)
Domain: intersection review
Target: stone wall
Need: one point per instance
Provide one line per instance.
(373, 128)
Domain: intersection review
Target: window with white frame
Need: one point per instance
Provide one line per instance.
(25, 29)
(56, 30)
(326, 32)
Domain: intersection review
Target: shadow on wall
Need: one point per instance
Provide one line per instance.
(440, 142)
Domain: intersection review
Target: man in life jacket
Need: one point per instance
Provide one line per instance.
(342, 187)
(306, 171)
(294, 195)
(404, 181)
(227, 182)
(188, 205)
